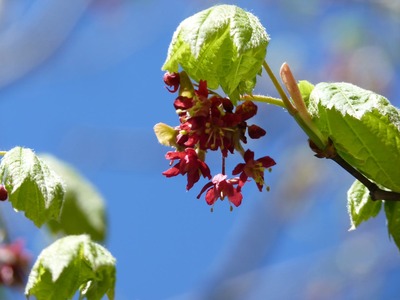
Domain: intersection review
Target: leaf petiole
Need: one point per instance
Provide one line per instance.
(264, 99)
(287, 103)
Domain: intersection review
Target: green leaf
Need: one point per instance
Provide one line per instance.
(360, 206)
(69, 264)
(32, 186)
(364, 128)
(83, 210)
(392, 210)
(224, 45)
(305, 88)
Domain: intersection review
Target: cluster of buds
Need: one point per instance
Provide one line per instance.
(14, 264)
(211, 122)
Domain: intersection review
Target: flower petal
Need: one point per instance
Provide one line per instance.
(248, 156)
(205, 187)
(172, 155)
(211, 196)
(175, 170)
(192, 177)
(238, 169)
(266, 161)
(246, 110)
(236, 198)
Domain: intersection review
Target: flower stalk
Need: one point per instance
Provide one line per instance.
(264, 99)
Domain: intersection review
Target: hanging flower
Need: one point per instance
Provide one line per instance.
(253, 168)
(190, 164)
(221, 187)
(208, 121)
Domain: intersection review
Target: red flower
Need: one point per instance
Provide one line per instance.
(172, 79)
(208, 123)
(246, 110)
(219, 188)
(211, 122)
(182, 103)
(253, 168)
(190, 164)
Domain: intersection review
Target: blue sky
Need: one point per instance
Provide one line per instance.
(94, 100)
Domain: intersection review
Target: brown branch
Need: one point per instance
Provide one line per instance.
(375, 192)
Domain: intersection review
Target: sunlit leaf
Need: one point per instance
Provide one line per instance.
(32, 186)
(364, 127)
(70, 264)
(224, 45)
(305, 88)
(392, 210)
(360, 206)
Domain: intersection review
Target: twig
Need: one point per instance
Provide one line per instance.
(322, 148)
(375, 192)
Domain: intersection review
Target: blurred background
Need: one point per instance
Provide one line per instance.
(82, 80)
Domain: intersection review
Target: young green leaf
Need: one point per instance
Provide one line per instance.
(166, 135)
(364, 128)
(83, 210)
(224, 45)
(360, 205)
(69, 264)
(305, 88)
(392, 210)
(32, 186)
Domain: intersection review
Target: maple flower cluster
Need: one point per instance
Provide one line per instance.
(211, 122)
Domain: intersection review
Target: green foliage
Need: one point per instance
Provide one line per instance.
(224, 45)
(364, 128)
(360, 206)
(392, 210)
(32, 187)
(83, 210)
(305, 88)
(69, 264)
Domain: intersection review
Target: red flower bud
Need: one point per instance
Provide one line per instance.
(3, 193)
(246, 110)
(255, 132)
